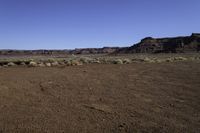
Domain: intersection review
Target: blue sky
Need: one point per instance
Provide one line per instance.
(67, 24)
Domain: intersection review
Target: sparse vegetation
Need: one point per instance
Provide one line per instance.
(81, 60)
(32, 64)
(117, 61)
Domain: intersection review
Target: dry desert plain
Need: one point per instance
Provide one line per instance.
(139, 96)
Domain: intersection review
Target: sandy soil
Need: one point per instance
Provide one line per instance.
(99, 98)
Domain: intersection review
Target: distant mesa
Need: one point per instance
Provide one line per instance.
(147, 45)
(165, 45)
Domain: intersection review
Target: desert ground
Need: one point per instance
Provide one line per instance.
(96, 98)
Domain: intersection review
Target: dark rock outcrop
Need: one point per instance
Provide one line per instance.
(147, 45)
(165, 45)
(104, 50)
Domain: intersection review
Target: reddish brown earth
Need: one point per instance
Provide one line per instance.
(101, 98)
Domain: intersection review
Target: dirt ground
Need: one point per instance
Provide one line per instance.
(97, 98)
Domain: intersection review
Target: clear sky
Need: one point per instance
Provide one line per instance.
(67, 24)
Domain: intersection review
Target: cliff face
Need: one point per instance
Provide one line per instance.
(147, 45)
(165, 45)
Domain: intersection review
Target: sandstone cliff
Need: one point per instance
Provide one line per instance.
(165, 45)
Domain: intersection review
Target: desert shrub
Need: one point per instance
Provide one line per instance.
(48, 64)
(158, 60)
(55, 63)
(104, 60)
(76, 63)
(27, 62)
(11, 64)
(126, 61)
(134, 60)
(96, 62)
(138, 60)
(169, 60)
(22, 63)
(86, 60)
(192, 58)
(4, 62)
(17, 62)
(62, 63)
(180, 58)
(198, 58)
(41, 64)
(32, 64)
(117, 61)
(51, 60)
(146, 59)
(68, 62)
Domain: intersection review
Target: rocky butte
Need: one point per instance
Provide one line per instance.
(165, 45)
(181, 44)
